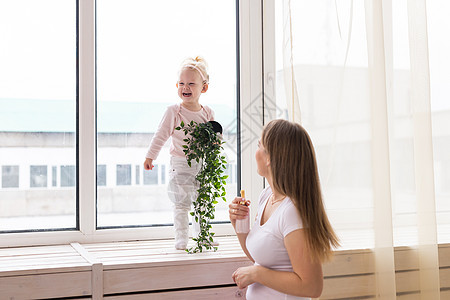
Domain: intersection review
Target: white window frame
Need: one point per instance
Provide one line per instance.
(251, 88)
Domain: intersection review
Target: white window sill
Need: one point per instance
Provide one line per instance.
(155, 270)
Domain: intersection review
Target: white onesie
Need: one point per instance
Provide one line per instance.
(265, 243)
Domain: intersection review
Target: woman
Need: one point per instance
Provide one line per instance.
(291, 236)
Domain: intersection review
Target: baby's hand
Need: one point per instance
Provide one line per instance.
(148, 164)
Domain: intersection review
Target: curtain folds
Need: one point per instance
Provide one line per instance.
(356, 75)
(381, 181)
(423, 150)
(288, 65)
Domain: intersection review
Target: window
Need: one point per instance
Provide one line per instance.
(67, 176)
(438, 23)
(37, 113)
(123, 175)
(137, 68)
(10, 176)
(163, 174)
(229, 173)
(38, 176)
(151, 177)
(331, 46)
(138, 175)
(54, 176)
(125, 82)
(101, 175)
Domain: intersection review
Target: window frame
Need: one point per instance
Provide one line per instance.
(250, 82)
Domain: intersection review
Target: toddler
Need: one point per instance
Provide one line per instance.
(182, 186)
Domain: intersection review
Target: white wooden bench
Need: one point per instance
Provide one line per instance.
(154, 270)
(122, 270)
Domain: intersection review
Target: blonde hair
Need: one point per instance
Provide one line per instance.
(196, 63)
(294, 173)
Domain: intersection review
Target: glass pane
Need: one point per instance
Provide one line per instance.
(123, 175)
(101, 175)
(68, 175)
(331, 72)
(138, 61)
(151, 177)
(138, 175)
(438, 24)
(54, 176)
(37, 113)
(38, 176)
(334, 104)
(10, 176)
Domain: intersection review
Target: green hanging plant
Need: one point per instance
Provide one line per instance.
(204, 146)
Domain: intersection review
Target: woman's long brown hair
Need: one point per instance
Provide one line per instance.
(294, 173)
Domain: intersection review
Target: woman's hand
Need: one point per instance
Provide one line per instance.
(238, 211)
(244, 276)
(148, 164)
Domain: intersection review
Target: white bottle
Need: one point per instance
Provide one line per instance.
(243, 225)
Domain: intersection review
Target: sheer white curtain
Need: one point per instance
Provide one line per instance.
(369, 81)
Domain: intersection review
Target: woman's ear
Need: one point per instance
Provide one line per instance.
(205, 88)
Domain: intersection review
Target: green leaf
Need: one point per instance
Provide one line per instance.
(204, 146)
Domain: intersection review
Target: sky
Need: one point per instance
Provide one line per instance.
(140, 46)
(141, 43)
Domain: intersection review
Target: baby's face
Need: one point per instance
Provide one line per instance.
(190, 85)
